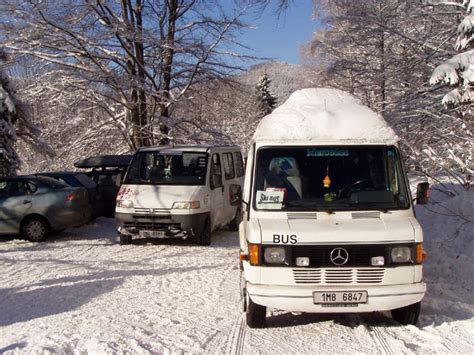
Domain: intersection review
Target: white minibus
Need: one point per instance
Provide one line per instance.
(328, 223)
(180, 191)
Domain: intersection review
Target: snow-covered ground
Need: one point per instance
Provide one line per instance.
(83, 292)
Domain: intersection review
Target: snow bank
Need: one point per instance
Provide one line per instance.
(324, 115)
(448, 238)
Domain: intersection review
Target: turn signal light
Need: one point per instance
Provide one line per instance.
(421, 255)
(254, 254)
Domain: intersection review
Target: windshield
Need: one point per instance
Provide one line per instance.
(176, 168)
(329, 179)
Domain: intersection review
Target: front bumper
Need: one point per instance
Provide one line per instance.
(172, 225)
(300, 298)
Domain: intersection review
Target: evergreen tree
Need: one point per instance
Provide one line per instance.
(458, 71)
(8, 158)
(266, 102)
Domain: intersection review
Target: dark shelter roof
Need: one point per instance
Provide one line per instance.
(104, 161)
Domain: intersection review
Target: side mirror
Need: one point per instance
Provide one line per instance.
(422, 193)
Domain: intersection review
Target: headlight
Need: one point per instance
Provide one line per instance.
(274, 255)
(125, 203)
(401, 255)
(186, 205)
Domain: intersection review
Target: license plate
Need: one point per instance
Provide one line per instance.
(152, 234)
(339, 297)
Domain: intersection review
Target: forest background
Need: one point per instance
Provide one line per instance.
(82, 78)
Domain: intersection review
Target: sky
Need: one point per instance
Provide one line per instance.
(280, 38)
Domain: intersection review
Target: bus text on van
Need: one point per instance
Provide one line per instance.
(285, 239)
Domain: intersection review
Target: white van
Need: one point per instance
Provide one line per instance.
(180, 191)
(328, 225)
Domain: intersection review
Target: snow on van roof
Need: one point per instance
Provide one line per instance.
(324, 115)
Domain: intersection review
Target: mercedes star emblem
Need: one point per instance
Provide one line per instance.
(339, 256)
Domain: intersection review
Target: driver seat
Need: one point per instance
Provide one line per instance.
(287, 168)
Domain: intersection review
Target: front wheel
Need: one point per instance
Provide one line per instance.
(407, 315)
(35, 229)
(125, 239)
(255, 314)
(205, 237)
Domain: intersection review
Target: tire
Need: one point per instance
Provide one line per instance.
(234, 224)
(125, 239)
(407, 315)
(205, 237)
(35, 229)
(255, 314)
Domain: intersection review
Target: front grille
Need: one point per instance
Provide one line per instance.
(157, 211)
(338, 276)
(151, 223)
(320, 255)
(307, 276)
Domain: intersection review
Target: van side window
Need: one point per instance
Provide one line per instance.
(216, 172)
(239, 164)
(228, 166)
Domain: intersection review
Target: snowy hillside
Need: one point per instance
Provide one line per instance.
(83, 292)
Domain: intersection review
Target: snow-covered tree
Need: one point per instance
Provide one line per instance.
(382, 51)
(133, 58)
(458, 71)
(8, 157)
(266, 102)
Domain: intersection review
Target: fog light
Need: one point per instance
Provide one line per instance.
(377, 261)
(302, 261)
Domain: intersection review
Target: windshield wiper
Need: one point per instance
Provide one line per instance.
(370, 206)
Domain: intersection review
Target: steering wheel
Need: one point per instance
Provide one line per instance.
(360, 182)
(350, 188)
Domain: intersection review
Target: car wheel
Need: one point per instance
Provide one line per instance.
(255, 314)
(35, 229)
(205, 237)
(234, 224)
(407, 315)
(125, 239)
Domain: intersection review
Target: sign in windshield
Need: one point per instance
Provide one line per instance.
(177, 168)
(329, 178)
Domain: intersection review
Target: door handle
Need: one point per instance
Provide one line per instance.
(26, 201)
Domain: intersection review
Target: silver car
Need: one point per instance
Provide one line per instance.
(34, 206)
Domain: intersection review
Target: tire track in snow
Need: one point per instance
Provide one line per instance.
(380, 338)
(235, 341)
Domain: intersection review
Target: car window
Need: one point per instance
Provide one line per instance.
(229, 171)
(239, 164)
(12, 188)
(50, 182)
(216, 171)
